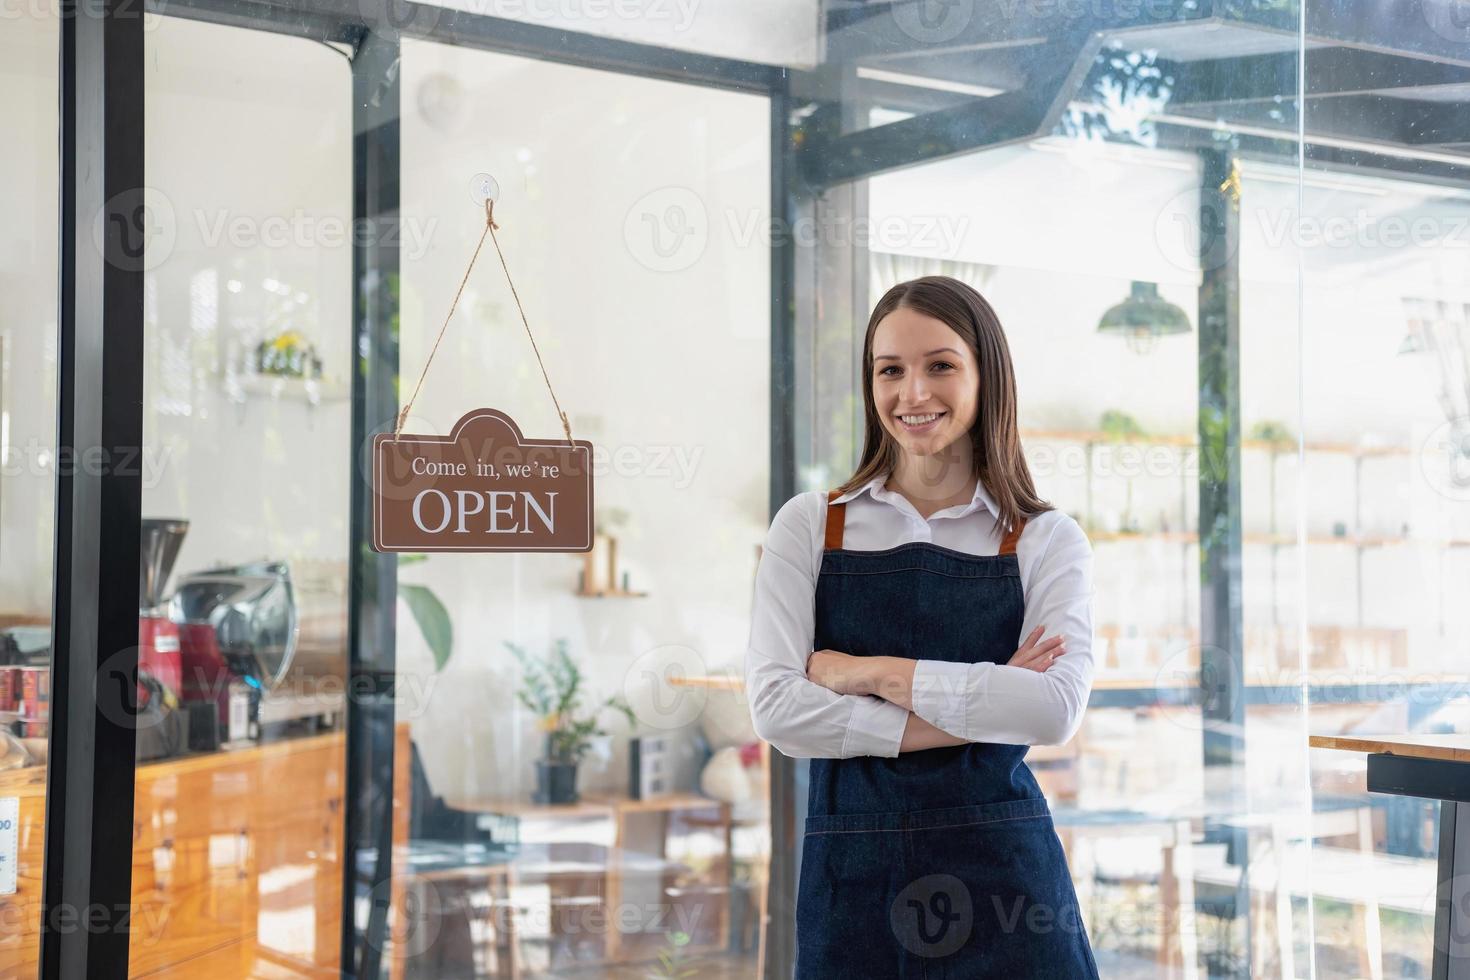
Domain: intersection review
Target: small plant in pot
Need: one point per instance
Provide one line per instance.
(553, 690)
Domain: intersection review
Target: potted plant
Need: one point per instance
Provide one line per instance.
(553, 690)
(288, 355)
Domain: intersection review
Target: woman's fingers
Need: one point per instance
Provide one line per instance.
(1039, 656)
(1040, 650)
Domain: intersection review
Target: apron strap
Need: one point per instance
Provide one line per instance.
(1008, 543)
(836, 517)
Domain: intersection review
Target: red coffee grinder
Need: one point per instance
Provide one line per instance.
(158, 635)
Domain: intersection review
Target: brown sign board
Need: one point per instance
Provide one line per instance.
(481, 488)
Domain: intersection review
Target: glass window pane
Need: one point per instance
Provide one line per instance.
(28, 384)
(1379, 233)
(240, 796)
(1093, 188)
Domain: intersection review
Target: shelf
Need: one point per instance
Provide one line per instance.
(1097, 436)
(1099, 535)
(1279, 540)
(277, 388)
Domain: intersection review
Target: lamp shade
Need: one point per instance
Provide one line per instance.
(1144, 314)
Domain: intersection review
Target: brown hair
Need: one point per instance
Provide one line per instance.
(998, 460)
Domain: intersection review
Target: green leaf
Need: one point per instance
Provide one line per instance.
(433, 620)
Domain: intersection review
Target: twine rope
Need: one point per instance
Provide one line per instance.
(490, 226)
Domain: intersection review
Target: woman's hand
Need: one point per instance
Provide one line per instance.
(839, 672)
(1038, 656)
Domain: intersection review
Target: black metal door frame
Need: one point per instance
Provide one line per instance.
(87, 872)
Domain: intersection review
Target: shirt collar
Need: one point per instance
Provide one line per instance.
(875, 487)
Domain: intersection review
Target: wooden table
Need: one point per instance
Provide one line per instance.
(622, 810)
(1435, 767)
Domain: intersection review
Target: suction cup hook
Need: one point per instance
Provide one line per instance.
(484, 188)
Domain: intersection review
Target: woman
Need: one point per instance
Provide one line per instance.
(926, 585)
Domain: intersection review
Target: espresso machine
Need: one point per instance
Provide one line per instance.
(264, 643)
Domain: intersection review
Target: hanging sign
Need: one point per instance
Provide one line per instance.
(483, 487)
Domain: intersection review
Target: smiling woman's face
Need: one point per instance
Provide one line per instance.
(922, 368)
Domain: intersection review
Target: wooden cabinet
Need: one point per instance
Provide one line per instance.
(237, 861)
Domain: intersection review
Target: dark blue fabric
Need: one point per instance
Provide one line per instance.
(942, 863)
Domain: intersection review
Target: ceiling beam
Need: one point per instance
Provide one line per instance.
(829, 158)
(1329, 72)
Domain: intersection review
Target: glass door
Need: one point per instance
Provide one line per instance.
(241, 789)
(587, 795)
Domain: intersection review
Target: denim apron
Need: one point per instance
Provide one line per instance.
(942, 863)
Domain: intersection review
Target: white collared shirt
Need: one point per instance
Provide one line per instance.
(981, 702)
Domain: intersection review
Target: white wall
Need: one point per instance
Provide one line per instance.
(28, 246)
(249, 149)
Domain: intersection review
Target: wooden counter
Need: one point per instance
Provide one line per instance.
(237, 861)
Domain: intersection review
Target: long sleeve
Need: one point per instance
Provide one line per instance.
(798, 716)
(987, 702)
